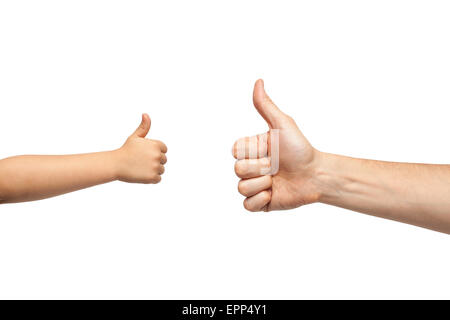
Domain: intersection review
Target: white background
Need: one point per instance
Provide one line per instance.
(362, 78)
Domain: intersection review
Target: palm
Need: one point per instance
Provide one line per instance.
(291, 185)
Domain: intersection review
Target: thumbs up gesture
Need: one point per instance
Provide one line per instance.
(277, 168)
(141, 160)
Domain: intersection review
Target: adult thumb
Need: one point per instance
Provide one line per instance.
(265, 106)
(144, 127)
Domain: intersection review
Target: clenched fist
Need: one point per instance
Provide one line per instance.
(277, 168)
(141, 160)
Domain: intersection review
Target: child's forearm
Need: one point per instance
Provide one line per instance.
(34, 177)
(27, 178)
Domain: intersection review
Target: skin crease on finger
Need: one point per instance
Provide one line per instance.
(251, 168)
(258, 202)
(250, 187)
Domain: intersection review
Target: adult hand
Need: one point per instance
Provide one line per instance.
(295, 161)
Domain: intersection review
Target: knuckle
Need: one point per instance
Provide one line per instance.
(156, 179)
(148, 180)
(239, 148)
(266, 196)
(239, 168)
(248, 206)
(234, 149)
(156, 147)
(242, 188)
(152, 178)
(161, 145)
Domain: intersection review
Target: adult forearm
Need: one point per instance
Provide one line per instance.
(34, 177)
(417, 194)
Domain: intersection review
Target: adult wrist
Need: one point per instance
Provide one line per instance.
(326, 179)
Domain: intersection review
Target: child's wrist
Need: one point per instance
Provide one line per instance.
(115, 157)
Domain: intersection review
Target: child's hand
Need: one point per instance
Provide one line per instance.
(141, 160)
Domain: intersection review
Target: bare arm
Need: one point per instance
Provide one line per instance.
(417, 194)
(34, 177)
(26, 178)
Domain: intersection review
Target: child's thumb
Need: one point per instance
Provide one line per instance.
(144, 127)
